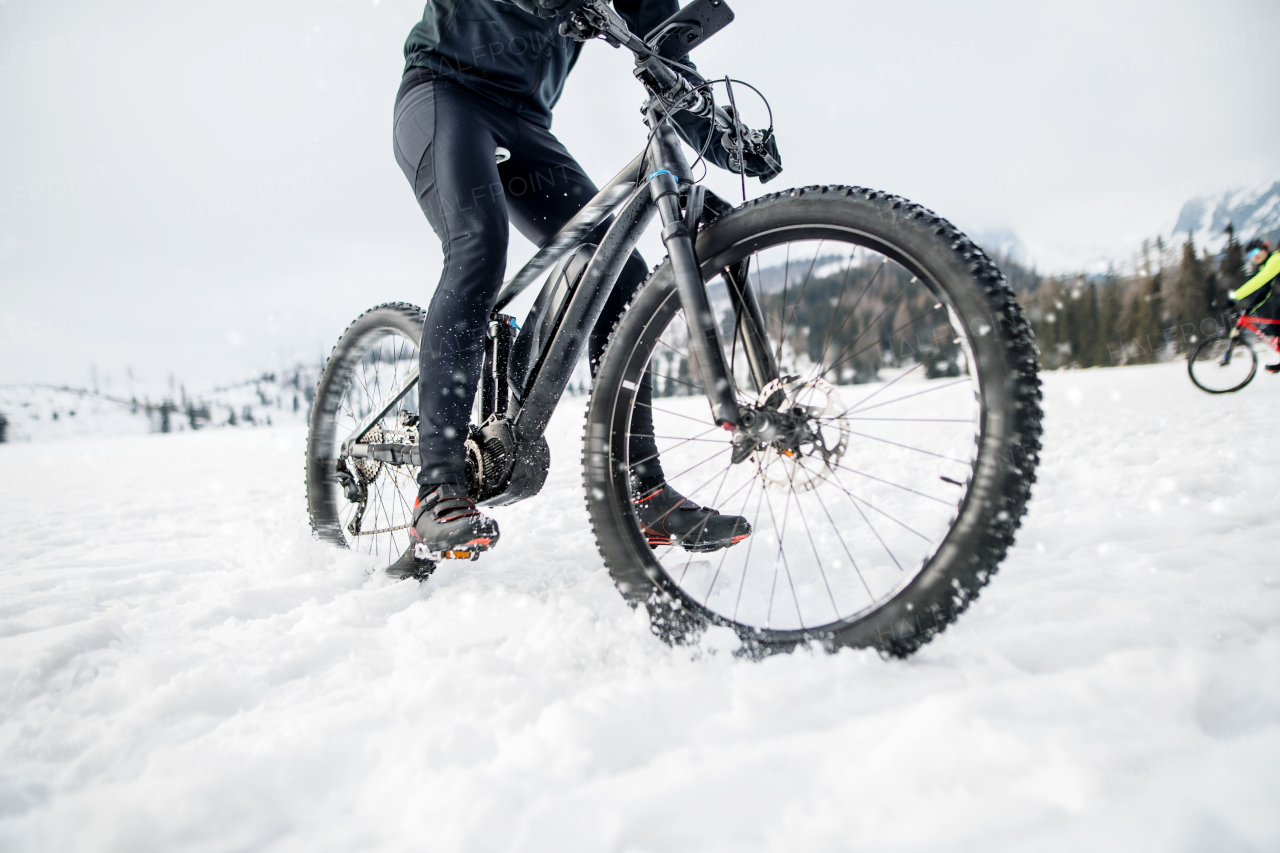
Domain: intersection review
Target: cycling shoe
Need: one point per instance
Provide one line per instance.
(669, 518)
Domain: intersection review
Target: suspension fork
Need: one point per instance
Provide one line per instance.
(749, 324)
(704, 339)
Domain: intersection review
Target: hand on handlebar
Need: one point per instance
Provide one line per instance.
(762, 156)
(759, 149)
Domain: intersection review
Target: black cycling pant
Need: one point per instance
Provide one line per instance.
(445, 141)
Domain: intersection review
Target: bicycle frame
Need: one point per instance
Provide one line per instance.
(648, 185)
(657, 181)
(1250, 321)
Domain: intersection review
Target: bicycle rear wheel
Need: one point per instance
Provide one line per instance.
(362, 503)
(902, 349)
(1222, 364)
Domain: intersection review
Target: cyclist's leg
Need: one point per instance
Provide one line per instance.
(1268, 309)
(445, 139)
(545, 188)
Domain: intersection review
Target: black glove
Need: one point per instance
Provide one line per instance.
(549, 8)
(755, 155)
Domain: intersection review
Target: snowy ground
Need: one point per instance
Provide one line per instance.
(182, 668)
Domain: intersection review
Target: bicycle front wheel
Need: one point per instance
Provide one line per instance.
(1222, 364)
(900, 347)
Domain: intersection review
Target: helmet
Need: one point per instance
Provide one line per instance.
(1255, 249)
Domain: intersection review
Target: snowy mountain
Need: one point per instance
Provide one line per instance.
(45, 412)
(1002, 243)
(1253, 211)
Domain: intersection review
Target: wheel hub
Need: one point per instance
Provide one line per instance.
(793, 433)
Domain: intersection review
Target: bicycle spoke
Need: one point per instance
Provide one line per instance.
(672, 447)
(904, 397)
(831, 327)
(724, 553)
(700, 464)
(870, 505)
(795, 312)
(742, 583)
(908, 447)
(782, 315)
(909, 420)
(673, 379)
(782, 561)
(906, 325)
(884, 387)
(816, 556)
(679, 439)
(702, 525)
(873, 530)
(849, 315)
(669, 412)
(840, 356)
(845, 546)
(887, 482)
(683, 355)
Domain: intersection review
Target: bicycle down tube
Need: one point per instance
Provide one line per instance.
(664, 166)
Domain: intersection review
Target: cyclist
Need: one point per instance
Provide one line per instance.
(472, 135)
(1258, 293)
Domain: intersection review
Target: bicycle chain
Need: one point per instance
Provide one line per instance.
(383, 530)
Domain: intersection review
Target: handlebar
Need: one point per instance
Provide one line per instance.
(674, 92)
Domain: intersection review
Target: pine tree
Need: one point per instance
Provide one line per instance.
(1111, 350)
(1057, 325)
(1231, 269)
(1148, 309)
(1077, 324)
(1091, 340)
(1190, 303)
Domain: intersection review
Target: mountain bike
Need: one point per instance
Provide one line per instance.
(1226, 361)
(840, 366)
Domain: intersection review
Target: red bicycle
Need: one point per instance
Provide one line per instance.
(1226, 361)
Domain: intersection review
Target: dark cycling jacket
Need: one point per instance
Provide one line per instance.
(520, 61)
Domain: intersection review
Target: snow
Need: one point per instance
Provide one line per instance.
(183, 668)
(46, 413)
(41, 413)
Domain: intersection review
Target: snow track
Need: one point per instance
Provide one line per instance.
(183, 668)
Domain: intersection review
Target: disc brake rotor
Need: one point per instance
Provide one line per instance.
(809, 464)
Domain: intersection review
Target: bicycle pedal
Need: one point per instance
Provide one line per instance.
(421, 552)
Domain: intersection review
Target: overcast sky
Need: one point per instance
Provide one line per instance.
(207, 190)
